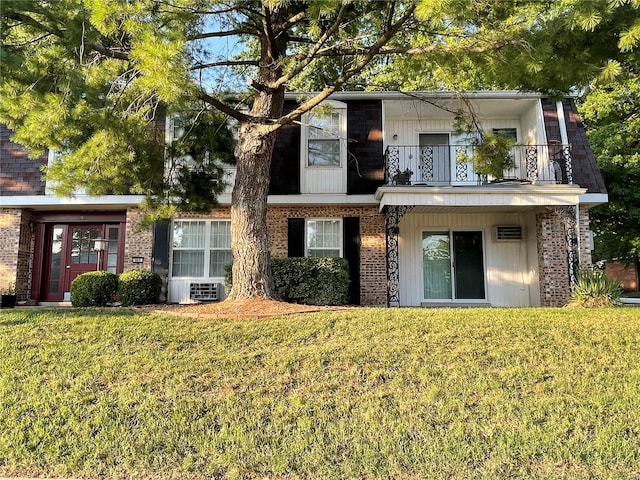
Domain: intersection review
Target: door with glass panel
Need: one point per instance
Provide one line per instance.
(453, 265)
(70, 251)
(434, 164)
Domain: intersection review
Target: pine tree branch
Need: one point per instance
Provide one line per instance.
(375, 49)
(107, 52)
(311, 56)
(225, 63)
(225, 33)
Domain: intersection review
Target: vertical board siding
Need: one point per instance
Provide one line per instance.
(510, 270)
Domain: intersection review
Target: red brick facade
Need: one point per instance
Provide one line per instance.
(373, 273)
(138, 242)
(553, 260)
(16, 251)
(625, 274)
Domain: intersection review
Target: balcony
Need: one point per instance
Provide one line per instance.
(443, 165)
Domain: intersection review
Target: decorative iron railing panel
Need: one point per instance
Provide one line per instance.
(454, 165)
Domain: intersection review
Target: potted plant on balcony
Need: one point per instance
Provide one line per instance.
(8, 296)
(403, 177)
(492, 155)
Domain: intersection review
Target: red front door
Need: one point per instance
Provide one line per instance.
(81, 256)
(70, 251)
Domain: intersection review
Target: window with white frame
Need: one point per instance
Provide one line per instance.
(201, 248)
(323, 238)
(325, 131)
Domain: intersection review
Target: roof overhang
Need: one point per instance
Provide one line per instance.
(593, 199)
(77, 202)
(395, 95)
(491, 197)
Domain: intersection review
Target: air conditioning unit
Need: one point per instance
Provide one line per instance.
(508, 233)
(205, 292)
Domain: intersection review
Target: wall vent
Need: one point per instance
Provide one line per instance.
(203, 291)
(508, 233)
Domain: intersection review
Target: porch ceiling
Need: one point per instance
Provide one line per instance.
(481, 198)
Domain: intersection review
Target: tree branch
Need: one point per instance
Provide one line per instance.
(226, 33)
(232, 112)
(107, 52)
(226, 63)
(312, 53)
(386, 36)
(26, 19)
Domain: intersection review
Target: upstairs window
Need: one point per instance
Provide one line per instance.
(325, 134)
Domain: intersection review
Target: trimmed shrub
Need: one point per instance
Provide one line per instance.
(594, 289)
(312, 281)
(94, 289)
(139, 287)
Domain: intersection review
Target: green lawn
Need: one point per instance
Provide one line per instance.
(364, 393)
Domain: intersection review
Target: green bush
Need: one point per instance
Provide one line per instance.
(94, 289)
(594, 289)
(312, 281)
(139, 287)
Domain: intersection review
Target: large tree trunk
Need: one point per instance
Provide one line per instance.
(249, 236)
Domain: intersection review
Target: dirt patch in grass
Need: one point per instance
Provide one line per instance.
(246, 308)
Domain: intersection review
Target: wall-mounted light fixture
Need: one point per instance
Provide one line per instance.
(99, 246)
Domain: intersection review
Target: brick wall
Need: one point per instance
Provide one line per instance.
(16, 251)
(373, 274)
(138, 241)
(625, 274)
(25, 256)
(19, 174)
(10, 220)
(552, 259)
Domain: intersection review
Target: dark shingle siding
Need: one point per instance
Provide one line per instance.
(19, 174)
(585, 168)
(365, 162)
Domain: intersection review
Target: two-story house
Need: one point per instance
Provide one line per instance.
(385, 180)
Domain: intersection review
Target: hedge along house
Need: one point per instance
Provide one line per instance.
(382, 179)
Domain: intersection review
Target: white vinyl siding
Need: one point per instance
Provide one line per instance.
(511, 268)
(323, 140)
(323, 155)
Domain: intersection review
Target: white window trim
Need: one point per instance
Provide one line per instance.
(328, 219)
(207, 246)
(341, 109)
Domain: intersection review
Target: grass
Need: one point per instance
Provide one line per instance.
(366, 393)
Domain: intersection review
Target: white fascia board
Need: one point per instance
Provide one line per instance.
(321, 199)
(496, 196)
(479, 94)
(593, 199)
(311, 199)
(51, 202)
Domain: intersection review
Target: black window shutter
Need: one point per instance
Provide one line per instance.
(160, 254)
(295, 237)
(351, 233)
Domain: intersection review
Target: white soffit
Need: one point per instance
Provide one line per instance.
(483, 197)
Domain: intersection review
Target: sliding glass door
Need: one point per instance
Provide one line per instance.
(453, 265)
